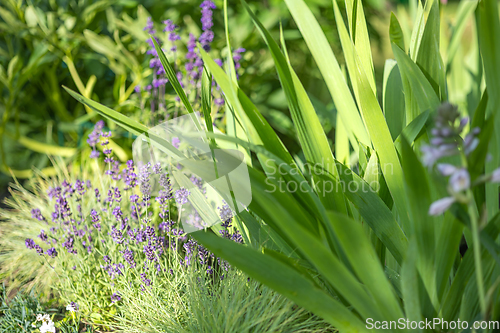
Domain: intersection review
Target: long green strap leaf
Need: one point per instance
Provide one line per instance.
(329, 67)
(429, 56)
(359, 35)
(417, 85)
(366, 264)
(256, 120)
(363, 197)
(393, 98)
(311, 134)
(488, 24)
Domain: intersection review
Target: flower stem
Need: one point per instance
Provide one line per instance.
(477, 254)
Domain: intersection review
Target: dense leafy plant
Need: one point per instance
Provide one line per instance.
(354, 246)
(42, 47)
(17, 314)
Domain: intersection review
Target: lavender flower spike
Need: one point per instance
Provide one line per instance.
(52, 252)
(181, 196)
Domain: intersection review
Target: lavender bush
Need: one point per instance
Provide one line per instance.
(99, 239)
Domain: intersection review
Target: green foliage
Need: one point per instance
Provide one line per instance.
(406, 263)
(17, 314)
(354, 239)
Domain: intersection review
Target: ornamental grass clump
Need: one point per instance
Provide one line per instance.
(94, 230)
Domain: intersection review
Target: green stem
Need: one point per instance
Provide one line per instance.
(477, 253)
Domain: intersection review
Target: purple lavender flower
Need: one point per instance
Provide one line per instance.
(206, 15)
(95, 219)
(30, 244)
(219, 101)
(181, 196)
(117, 194)
(145, 280)
(166, 226)
(80, 187)
(52, 252)
(128, 255)
(446, 136)
(198, 182)
(116, 235)
(149, 251)
(165, 182)
(206, 38)
(236, 237)
(118, 214)
(115, 297)
(38, 249)
(150, 27)
(144, 181)
(446, 169)
(69, 245)
(191, 46)
(237, 57)
(37, 214)
(157, 168)
(172, 36)
(43, 236)
(169, 26)
(163, 197)
(95, 137)
(226, 215)
(130, 178)
(150, 233)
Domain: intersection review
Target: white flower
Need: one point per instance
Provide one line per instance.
(33, 324)
(446, 169)
(48, 326)
(460, 180)
(495, 176)
(440, 206)
(44, 317)
(71, 308)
